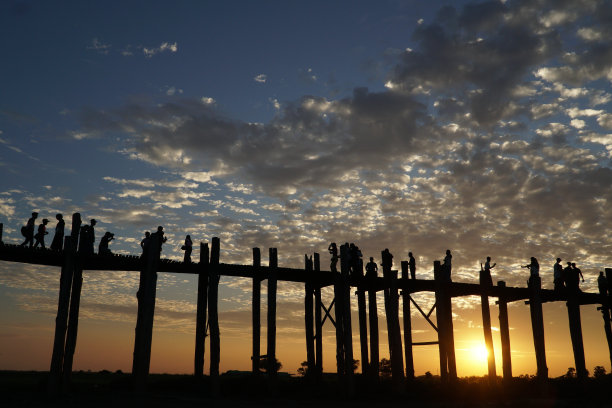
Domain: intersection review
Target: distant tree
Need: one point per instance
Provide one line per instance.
(263, 364)
(385, 368)
(571, 372)
(599, 372)
(303, 370)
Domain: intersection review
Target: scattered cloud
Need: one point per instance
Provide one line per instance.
(99, 46)
(261, 78)
(163, 47)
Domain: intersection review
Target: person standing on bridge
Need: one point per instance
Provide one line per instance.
(558, 276)
(58, 239)
(91, 238)
(387, 260)
(576, 276)
(487, 271)
(188, 247)
(28, 230)
(160, 237)
(448, 265)
(412, 265)
(333, 251)
(40, 235)
(534, 270)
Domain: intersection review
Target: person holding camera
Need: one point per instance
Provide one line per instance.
(103, 247)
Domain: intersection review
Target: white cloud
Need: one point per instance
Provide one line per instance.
(578, 123)
(261, 78)
(165, 46)
(605, 120)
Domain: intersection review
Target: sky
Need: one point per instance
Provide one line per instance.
(480, 127)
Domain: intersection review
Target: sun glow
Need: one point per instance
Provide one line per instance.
(479, 352)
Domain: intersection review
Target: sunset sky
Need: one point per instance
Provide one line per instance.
(484, 128)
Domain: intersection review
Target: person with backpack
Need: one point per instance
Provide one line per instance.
(28, 230)
(40, 235)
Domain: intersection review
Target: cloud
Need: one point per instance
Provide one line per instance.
(164, 47)
(99, 47)
(261, 78)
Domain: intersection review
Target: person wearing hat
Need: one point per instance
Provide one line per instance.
(40, 235)
(28, 230)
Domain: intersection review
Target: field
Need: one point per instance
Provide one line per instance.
(106, 389)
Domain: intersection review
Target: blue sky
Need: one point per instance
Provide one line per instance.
(413, 125)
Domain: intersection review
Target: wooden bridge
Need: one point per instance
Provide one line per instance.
(73, 262)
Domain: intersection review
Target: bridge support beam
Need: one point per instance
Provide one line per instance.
(486, 284)
(213, 315)
(407, 324)
(200, 339)
(504, 331)
(256, 312)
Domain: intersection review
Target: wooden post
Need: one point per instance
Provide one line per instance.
(256, 305)
(575, 326)
(485, 287)
(373, 317)
(1, 228)
(363, 320)
(61, 321)
(272, 285)
(73, 324)
(146, 307)
(213, 314)
(75, 230)
(407, 324)
(345, 299)
(318, 319)
(393, 328)
(338, 305)
(309, 318)
(200, 340)
(604, 292)
(537, 326)
(504, 331)
(444, 315)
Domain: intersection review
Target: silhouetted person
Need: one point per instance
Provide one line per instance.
(40, 235)
(387, 260)
(58, 239)
(371, 269)
(84, 239)
(558, 276)
(333, 251)
(534, 270)
(161, 238)
(106, 239)
(354, 257)
(188, 247)
(28, 230)
(145, 244)
(567, 275)
(448, 265)
(602, 284)
(487, 271)
(576, 276)
(412, 265)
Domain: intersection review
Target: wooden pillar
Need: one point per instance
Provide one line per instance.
(407, 323)
(256, 305)
(363, 320)
(537, 326)
(146, 307)
(373, 317)
(73, 323)
(61, 321)
(485, 287)
(318, 318)
(575, 326)
(346, 320)
(272, 285)
(444, 315)
(213, 314)
(393, 327)
(605, 292)
(338, 305)
(75, 230)
(504, 331)
(200, 340)
(1, 228)
(309, 317)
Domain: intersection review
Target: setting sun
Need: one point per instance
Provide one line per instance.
(479, 352)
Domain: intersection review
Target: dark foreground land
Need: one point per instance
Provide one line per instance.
(115, 390)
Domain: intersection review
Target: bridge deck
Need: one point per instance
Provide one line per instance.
(117, 262)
